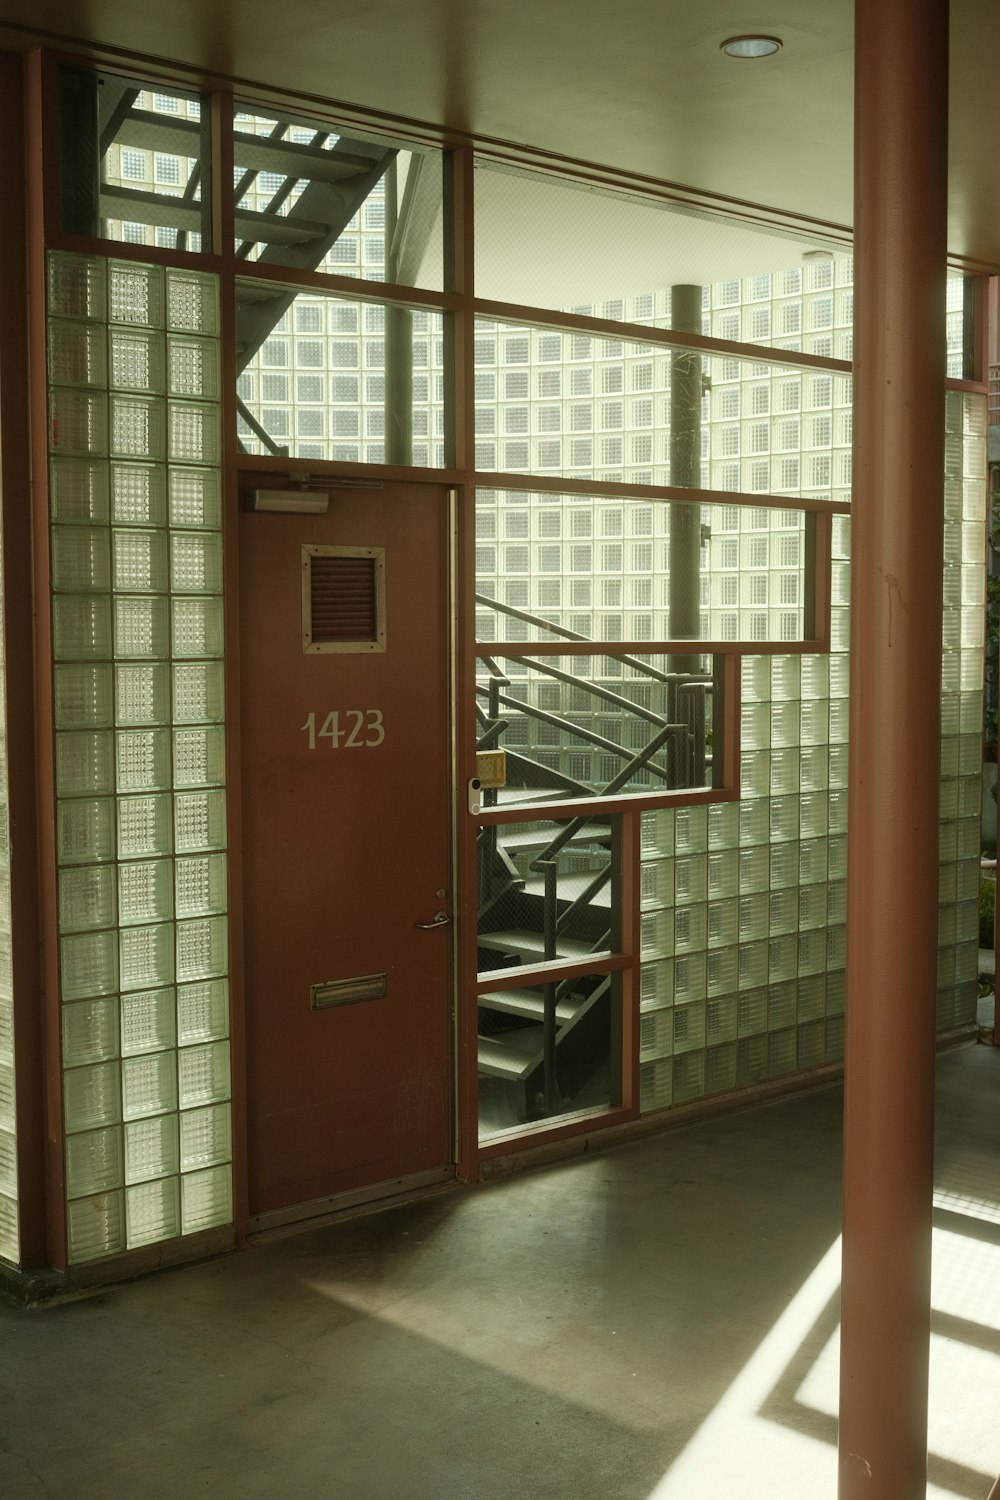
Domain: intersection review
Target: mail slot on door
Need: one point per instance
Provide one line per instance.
(347, 991)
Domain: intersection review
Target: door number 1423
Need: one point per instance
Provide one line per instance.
(346, 729)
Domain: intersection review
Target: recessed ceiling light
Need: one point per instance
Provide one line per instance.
(751, 46)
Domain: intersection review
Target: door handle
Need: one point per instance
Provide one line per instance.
(441, 919)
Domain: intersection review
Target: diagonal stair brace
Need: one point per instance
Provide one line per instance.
(330, 204)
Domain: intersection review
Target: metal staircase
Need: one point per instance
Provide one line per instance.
(548, 887)
(296, 190)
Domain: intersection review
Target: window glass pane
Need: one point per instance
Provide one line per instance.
(310, 197)
(583, 726)
(134, 164)
(364, 384)
(606, 411)
(593, 568)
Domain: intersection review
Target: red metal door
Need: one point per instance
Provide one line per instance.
(345, 801)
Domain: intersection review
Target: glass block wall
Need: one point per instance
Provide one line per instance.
(137, 630)
(744, 905)
(9, 1238)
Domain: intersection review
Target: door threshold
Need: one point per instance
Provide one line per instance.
(320, 1211)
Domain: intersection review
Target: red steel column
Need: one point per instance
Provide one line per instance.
(901, 95)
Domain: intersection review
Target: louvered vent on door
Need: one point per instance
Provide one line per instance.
(343, 599)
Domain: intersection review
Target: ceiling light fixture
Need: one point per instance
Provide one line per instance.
(751, 46)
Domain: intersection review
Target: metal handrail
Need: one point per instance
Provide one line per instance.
(590, 735)
(591, 687)
(566, 634)
(563, 837)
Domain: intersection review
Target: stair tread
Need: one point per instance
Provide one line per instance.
(528, 1003)
(503, 1059)
(518, 940)
(570, 886)
(537, 838)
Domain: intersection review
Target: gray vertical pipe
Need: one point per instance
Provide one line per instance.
(900, 144)
(398, 343)
(684, 547)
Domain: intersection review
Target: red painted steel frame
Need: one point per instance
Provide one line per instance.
(42, 200)
(15, 492)
(901, 93)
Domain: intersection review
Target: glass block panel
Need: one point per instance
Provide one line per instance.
(88, 965)
(198, 693)
(193, 367)
(140, 561)
(656, 1084)
(147, 1021)
(147, 956)
(200, 820)
(192, 302)
(85, 830)
(138, 494)
(152, 1212)
(78, 491)
(656, 985)
(89, 1031)
(77, 286)
(142, 627)
(689, 1077)
(91, 1097)
(197, 627)
(206, 1137)
(95, 1227)
(720, 1020)
(203, 1073)
(721, 971)
(656, 879)
(8, 1180)
(688, 1026)
(812, 1044)
(199, 757)
(206, 1199)
(144, 826)
(81, 627)
(751, 1060)
(143, 760)
(149, 1085)
(145, 892)
(80, 559)
(202, 948)
(720, 1068)
(77, 353)
(723, 825)
(137, 360)
(194, 435)
(78, 422)
(151, 1148)
(752, 964)
(202, 1012)
(142, 694)
(137, 427)
(93, 1162)
(86, 898)
(136, 294)
(781, 1052)
(195, 563)
(83, 697)
(201, 885)
(195, 498)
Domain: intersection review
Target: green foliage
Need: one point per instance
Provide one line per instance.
(987, 902)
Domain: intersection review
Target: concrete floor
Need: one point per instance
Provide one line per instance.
(653, 1322)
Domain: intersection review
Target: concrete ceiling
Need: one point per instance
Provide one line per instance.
(639, 87)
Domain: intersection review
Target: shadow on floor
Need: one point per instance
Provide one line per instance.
(566, 1334)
